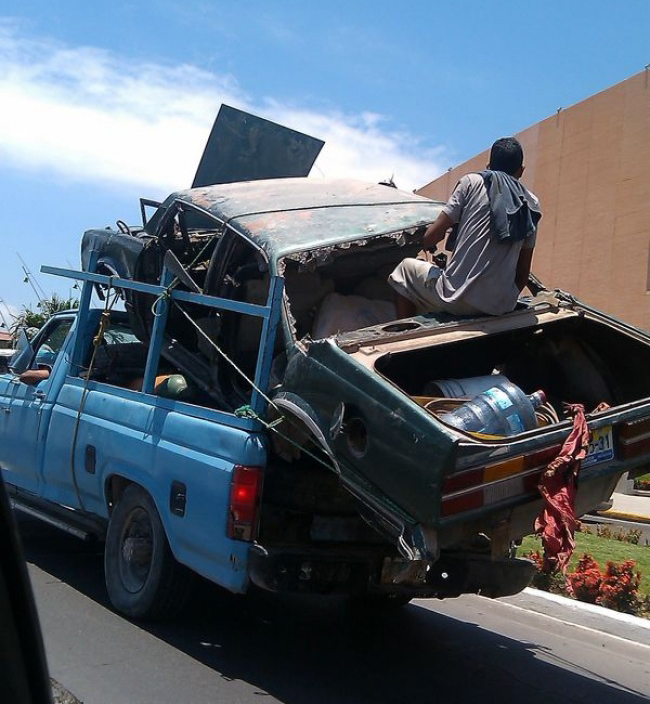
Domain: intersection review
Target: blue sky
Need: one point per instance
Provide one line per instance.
(104, 102)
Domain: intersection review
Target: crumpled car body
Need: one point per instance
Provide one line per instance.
(351, 407)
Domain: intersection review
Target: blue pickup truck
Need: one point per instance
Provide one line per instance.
(235, 398)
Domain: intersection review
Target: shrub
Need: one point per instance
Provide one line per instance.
(615, 588)
(604, 531)
(585, 582)
(631, 536)
(634, 536)
(619, 588)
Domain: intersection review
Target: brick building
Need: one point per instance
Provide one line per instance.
(590, 167)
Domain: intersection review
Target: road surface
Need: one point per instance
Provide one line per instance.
(233, 650)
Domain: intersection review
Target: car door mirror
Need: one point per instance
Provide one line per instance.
(24, 353)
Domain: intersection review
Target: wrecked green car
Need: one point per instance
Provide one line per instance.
(369, 487)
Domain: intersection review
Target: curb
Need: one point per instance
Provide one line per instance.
(622, 516)
(60, 694)
(582, 615)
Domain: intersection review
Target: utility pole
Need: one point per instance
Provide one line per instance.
(2, 315)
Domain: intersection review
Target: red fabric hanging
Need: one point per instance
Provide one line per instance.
(557, 522)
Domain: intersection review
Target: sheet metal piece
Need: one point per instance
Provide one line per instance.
(244, 147)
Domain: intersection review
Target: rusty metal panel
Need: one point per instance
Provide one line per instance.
(297, 214)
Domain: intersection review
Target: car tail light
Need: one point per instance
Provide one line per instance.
(245, 493)
(474, 488)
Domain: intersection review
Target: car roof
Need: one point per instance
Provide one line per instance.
(294, 214)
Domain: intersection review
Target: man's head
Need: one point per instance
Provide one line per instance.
(507, 155)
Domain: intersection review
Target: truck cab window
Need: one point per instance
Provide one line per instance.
(120, 357)
(120, 360)
(48, 344)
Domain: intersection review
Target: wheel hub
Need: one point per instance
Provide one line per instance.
(136, 550)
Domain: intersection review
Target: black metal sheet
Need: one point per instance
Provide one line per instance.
(118, 253)
(244, 147)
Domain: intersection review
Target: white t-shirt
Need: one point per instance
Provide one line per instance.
(481, 270)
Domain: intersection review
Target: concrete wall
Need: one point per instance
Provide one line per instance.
(590, 167)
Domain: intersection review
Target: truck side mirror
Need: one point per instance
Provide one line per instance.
(24, 353)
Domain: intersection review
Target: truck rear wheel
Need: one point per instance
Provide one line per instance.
(143, 579)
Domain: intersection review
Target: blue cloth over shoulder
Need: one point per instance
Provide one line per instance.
(514, 211)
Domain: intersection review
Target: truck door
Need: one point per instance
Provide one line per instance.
(27, 406)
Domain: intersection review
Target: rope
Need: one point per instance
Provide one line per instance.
(175, 281)
(104, 322)
(246, 411)
(407, 551)
(165, 295)
(243, 412)
(233, 364)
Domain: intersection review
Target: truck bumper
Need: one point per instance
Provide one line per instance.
(312, 572)
(328, 572)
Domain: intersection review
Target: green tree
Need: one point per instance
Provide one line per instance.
(45, 309)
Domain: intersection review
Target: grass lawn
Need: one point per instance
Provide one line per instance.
(603, 550)
(643, 482)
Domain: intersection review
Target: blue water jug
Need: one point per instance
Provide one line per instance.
(503, 409)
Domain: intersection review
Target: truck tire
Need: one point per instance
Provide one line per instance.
(143, 579)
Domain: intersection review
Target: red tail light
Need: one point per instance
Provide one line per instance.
(476, 487)
(245, 493)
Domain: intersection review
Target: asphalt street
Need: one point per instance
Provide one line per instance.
(298, 650)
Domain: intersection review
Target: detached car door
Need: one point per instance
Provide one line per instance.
(26, 408)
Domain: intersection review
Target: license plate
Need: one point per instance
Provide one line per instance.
(601, 447)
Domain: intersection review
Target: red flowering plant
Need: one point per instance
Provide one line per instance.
(585, 582)
(619, 589)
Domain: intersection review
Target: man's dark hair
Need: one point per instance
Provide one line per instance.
(506, 155)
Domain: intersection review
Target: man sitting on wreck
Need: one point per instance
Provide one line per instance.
(494, 219)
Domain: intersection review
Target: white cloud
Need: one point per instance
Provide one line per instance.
(88, 114)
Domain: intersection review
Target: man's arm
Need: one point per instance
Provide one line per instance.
(31, 377)
(436, 232)
(523, 267)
